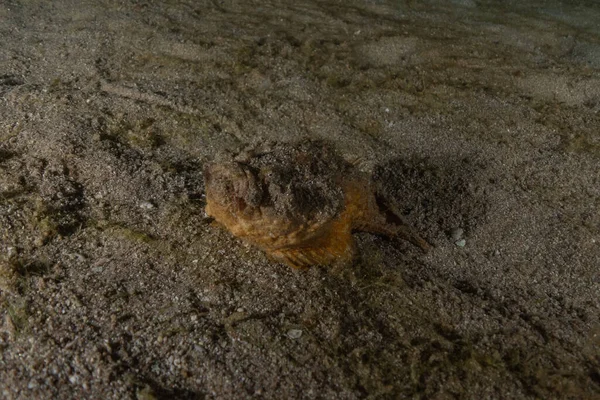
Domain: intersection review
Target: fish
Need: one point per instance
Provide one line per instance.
(300, 202)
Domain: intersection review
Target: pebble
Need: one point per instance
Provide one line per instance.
(146, 205)
(461, 243)
(456, 234)
(294, 333)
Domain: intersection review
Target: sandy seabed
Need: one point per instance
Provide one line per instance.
(479, 116)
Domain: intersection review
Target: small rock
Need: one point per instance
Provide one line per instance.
(294, 333)
(456, 234)
(461, 243)
(11, 252)
(146, 205)
(79, 257)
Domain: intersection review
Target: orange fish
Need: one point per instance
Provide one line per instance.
(300, 203)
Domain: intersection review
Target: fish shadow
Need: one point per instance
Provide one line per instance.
(435, 195)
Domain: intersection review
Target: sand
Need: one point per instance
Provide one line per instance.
(482, 119)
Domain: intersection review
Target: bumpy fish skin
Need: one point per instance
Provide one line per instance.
(299, 203)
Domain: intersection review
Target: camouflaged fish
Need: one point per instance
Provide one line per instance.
(299, 203)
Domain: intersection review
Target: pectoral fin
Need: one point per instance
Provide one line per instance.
(383, 218)
(333, 247)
